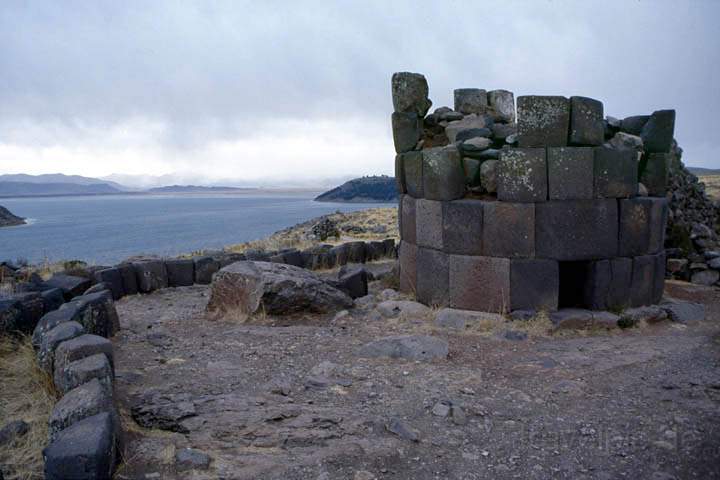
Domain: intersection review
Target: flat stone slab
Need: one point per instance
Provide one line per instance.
(522, 175)
(543, 121)
(579, 319)
(277, 289)
(402, 308)
(461, 319)
(684, 312)
(151, 275)
(408, 347)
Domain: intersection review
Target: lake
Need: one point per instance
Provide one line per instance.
(108, 229)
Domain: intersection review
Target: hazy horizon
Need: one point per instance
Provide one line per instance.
(204, 93)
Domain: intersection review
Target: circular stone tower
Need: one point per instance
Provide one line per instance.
(554, 210)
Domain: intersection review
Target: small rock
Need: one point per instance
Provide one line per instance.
(684, 312)
(191, 459)
(441, 409)
(460, 319)
(12, 430)
(705, 277)
(522, 315)
(399, 428)
(409, 347)
(402, 308)
(515, 335)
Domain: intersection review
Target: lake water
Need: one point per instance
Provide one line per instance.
(107, 229)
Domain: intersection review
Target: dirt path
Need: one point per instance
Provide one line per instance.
(297, 402)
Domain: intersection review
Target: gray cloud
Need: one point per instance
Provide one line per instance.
(211, 71)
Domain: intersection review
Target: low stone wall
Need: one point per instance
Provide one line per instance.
(560, 209)
(72, 318)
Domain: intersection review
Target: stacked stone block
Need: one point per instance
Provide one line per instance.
(568, 224)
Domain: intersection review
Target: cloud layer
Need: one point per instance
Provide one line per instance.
(263, 90)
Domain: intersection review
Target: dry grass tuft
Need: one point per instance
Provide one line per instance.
(712, 185)
(26, 393)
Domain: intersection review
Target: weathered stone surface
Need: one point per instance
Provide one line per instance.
(503, 130)
(82, 371)
(488, 175)
(412, 168)
(78, 348)
(205, 268)
(410, 93)
(479, 283)
(478, 135)
(338, 256)
(543, 121)
(625, 141)
(607, 284)
(522, 175)
(54, 337)
(114, 279)
(655, 173)
(356, 252)
(71, 285)
(443, 175)
(98, 287)
(649, 314)
(408, 347)
(400, 174)
(432, 277)
(474, 145)
(52, 299)
(658, 287)
(429, 223)
(534, 284)
(471, 168)
(407, 255)
(586, 121)
(616, 173)
(69, 312)
(129, 279)
(508, 229)
(406, 128)
(642, 225)
(97, 313)
(634, 125)
(657, 133)
(705, 277)
(641, 287)
(570, 173)
(180, 272)
(191, 459)
(404, 309)
(353, 281)
(469, 122)
(461, 319)
(10, 312)
(151, 275)
(470, 100)
(32, 308)
(11, 432)
(462, 227)
(85, 450)
(278, 289)
(684, 312)
(84, 401)
(576, 229)
(579, 319)
(502, 105)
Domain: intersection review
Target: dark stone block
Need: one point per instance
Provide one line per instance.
(86, 400)
(462, 227)
(570, 173)
(429, 223)
(443, 175)
(71, 285)
(469, 133)
(79, 348)
(389, 244)
(479, 283)
(586, 121)
(9, 314)
(97, 313)
(356, 252)
(129, 279)
(180, 272)
(543, 121)
(642, 225)
(407, 128)
(374, 250)
(354, 282)
(502, 105)
(205, 267)
(508, 229)
(84, 370)
(432, 277)
(83, 451)
(657, 133)
(69, 312)
(32, 308)
(400, 174)
(52, 299)
(616, 173)
(641, 288)
(655, 173)
(408, 215)
(534, 284)
(410, 93)
(114, 279)
(634, 125)
(659, 279)
(407, 257)
(54, 337)
(522, 175)
(413, 171)
(576, 229)
(607, 284)
(151, 275)
(470, 100)
(340, 254)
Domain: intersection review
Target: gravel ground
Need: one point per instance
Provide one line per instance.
(292, 399)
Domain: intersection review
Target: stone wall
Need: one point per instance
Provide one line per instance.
(553, 207)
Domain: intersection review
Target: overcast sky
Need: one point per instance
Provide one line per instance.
(213, 90)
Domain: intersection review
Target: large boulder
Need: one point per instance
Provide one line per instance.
(71, 285)
(97, 313)
(275, 288)
(410, 93)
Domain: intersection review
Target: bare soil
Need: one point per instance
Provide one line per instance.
(292, 399)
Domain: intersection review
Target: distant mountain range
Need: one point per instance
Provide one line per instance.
(15, 189)
(361, 190)
(59, 178)
(704, 171)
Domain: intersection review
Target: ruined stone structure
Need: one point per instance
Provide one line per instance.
(551, 209)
